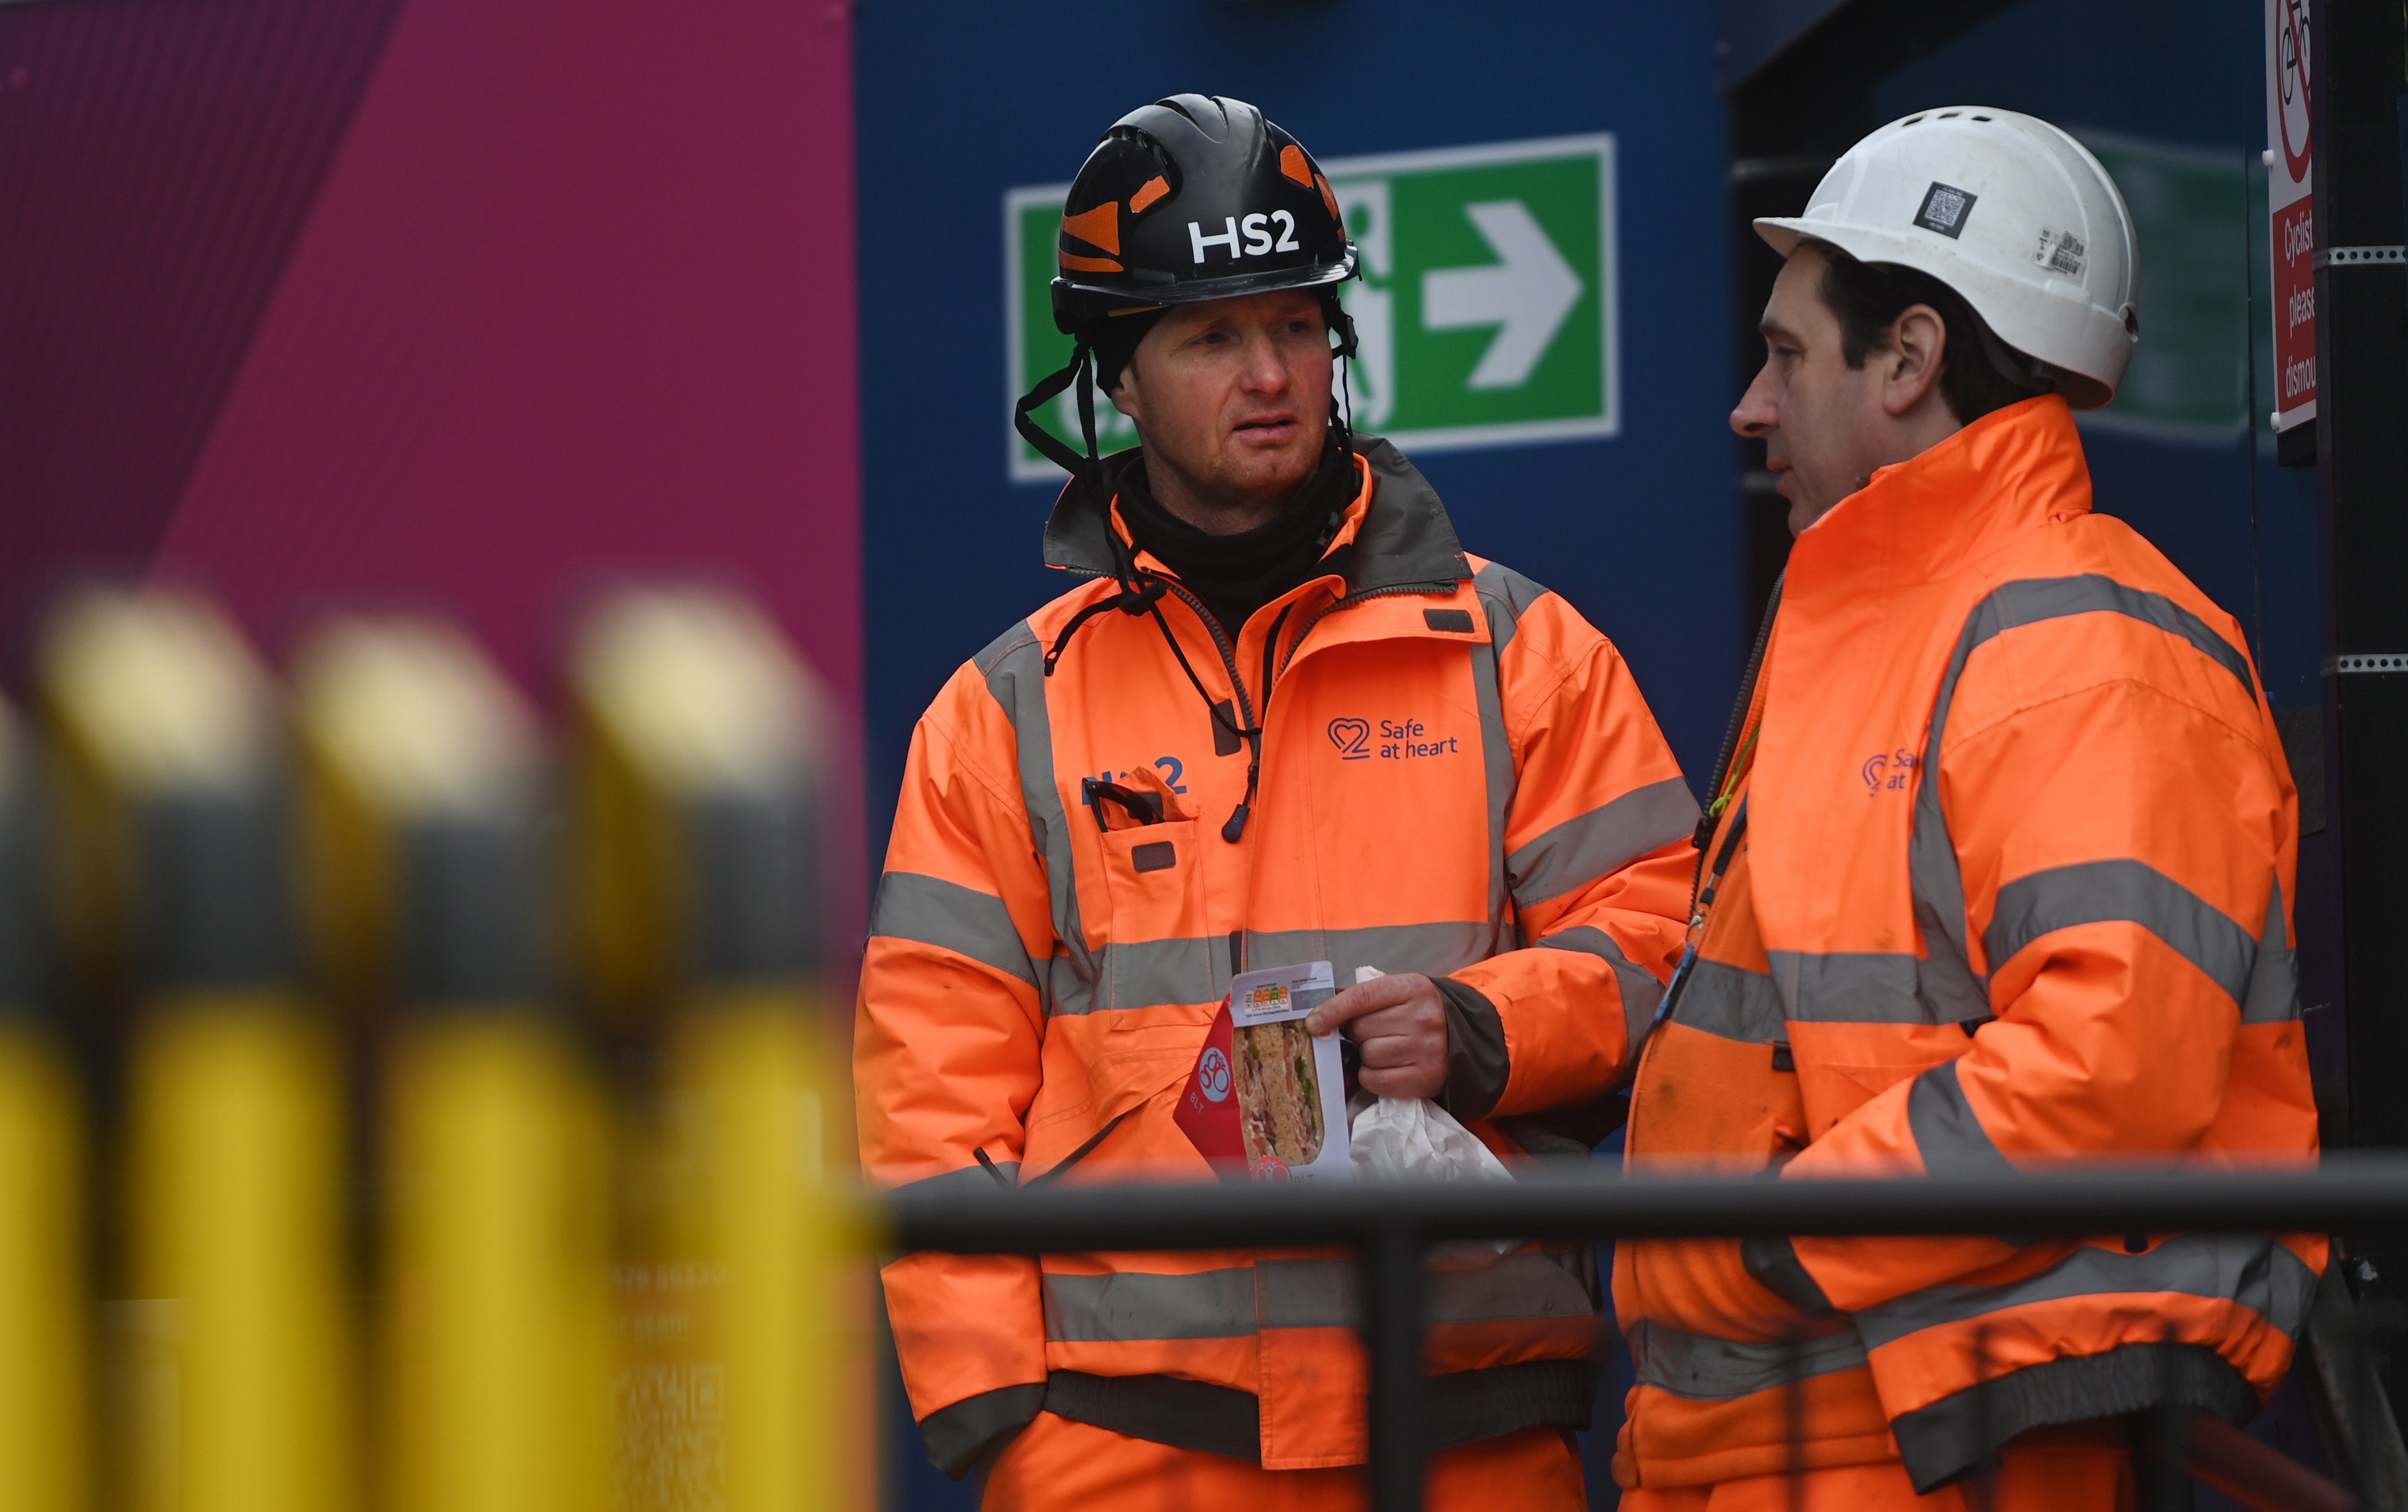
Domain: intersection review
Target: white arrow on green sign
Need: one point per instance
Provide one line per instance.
(1487, 306)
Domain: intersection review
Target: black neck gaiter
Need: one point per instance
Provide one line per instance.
(1236, 575)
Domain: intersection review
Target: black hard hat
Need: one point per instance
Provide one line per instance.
(1192, 198)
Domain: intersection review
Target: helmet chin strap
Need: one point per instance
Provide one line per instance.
(1343, 325)
(1080, 371)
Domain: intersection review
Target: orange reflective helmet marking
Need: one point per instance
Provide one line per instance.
(1294, 163)
(1331, 200)
(1074, 262)
(1152, 189)
(1100, 226)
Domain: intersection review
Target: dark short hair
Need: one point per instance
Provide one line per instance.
(1868, 297)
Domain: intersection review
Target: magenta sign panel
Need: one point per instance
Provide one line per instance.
(467, 305)
(2290, 184)
(576, 300)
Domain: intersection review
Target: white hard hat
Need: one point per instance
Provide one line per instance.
(2009, 211)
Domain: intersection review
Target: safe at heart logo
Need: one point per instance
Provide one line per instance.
(1353, 738)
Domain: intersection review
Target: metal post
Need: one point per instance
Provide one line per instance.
(700, 796)
(175, 849)
(2164, 1477)
(2362, 474)
(1985, 1485)
(45, 1417)
(1392, 1336)
(1793, 1420)
(428, 861)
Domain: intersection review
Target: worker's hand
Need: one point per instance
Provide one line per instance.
(1400, 1024)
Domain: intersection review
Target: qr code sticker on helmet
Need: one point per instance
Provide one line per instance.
(1944, 210)
(2059, 251)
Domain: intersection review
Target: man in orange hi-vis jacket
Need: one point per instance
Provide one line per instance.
(1280, 717)
(1999, 873)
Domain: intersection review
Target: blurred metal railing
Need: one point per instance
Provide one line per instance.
(1390, 1227)
(404, 1107)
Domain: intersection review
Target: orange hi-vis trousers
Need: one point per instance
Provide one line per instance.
(1059, 1464)
(2080, 1467)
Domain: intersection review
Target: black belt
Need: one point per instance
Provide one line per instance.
(1462, 1408)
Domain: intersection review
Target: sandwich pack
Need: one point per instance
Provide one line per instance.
(1266, 1101)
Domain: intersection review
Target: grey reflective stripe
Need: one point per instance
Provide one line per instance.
(1947, 1133)
(969, 1178)
(1527, 1284)
(2273, 996)
(1641, 991)
(1141, 973)
(2122, 890)
(2249, 1269)
(1432, 949)
(1233, 1301)
(1707, 1369)
(1602, 841)
(1496, 761)
(1014, 668)
(1732, 1003)
(1508, 596)
(1136, 1305)
(930, 910)
(1947, 984)
(1064, 989)
(1849, 987)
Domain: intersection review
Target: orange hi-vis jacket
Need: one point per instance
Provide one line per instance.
(2016, 840)
(1459, 778)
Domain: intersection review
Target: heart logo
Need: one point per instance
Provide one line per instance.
(1351, 737)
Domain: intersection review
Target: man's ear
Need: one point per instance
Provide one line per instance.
(1918, 343)
(1124, 393)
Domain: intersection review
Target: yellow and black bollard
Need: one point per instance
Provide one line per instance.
(173, 862)
(428, 869)
(698, 880)
(45, 1378)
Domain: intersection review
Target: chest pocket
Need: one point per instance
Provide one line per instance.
(1159, 971)
(1157, 950)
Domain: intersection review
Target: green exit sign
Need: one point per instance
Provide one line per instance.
(1486, 305)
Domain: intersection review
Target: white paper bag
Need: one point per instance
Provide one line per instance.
(1413, 1139)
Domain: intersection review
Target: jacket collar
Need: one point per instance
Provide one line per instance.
(1399, 530)
(2005, 474)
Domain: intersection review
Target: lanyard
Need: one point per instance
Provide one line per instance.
(1699, 912)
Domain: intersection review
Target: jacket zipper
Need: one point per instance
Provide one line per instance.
(1347, 603)
(1220, 644)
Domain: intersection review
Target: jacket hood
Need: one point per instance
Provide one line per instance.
(1399, 528)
